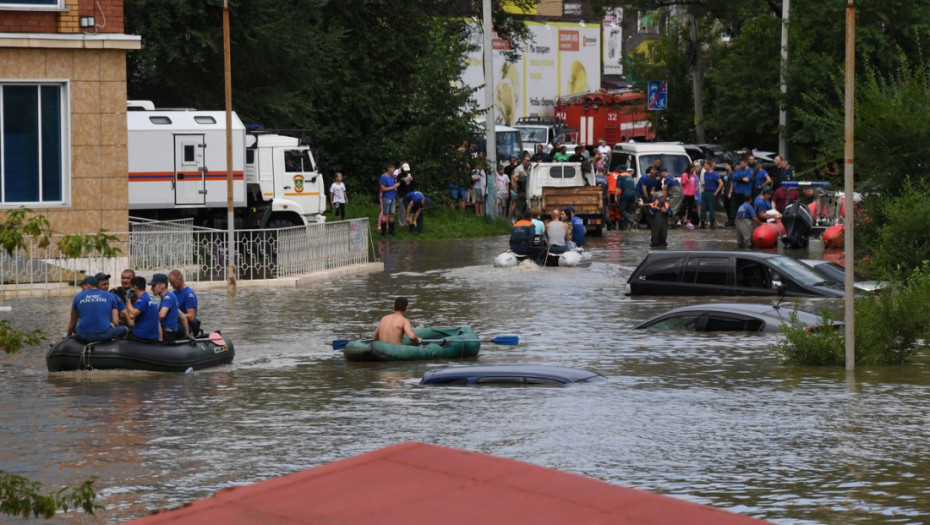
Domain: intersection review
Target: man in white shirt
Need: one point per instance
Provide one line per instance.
(604, 150)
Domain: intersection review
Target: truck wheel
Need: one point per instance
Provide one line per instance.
(599, 231)
(278, 223)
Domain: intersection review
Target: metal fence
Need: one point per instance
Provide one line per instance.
(200, 253)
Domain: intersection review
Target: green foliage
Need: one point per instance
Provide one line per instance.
(817, 347)
(741, 87)
(741, 77)
(440, 222)
(12, 340)
(889, 327)
(895, 233)
(78, 244)
(890, 134)
(896, 323)
(22, 497)
(665, 61)
(17, 227)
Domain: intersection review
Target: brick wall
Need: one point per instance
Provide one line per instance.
(28, 22)
(109, 14)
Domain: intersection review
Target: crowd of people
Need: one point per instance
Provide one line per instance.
(399, 197)
(660, 200)
(99, 313)
(510, 178)
(532, 236)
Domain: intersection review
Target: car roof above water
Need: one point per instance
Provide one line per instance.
(504, 375)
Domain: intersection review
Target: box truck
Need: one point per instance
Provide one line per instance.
(177, 169)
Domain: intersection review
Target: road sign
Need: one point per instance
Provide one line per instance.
(658, 95)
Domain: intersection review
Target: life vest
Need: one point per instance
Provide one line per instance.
(663, 208)
(521, 238)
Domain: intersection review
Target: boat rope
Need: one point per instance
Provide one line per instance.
(84, 362)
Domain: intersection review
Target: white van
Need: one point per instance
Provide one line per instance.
(509, 143)
(636, 157)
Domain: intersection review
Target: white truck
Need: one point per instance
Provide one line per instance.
(554, 185)
(177, 168)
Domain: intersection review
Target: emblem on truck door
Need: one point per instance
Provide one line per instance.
(298, 183)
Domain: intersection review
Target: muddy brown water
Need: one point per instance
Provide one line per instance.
(714, 419)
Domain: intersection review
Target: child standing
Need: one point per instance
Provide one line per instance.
(338, 197)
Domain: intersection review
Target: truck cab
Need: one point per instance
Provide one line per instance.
(561, 184)
(636, 157)
(541, 130)
(282, 171)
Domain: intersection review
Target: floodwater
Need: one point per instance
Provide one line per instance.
(714, 419)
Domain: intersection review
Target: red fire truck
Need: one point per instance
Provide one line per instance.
(614, 117)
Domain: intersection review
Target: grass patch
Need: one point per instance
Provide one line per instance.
(439, 222)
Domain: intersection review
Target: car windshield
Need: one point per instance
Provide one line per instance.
(675, 164)
(508, 145)
(798, 271)
(533, 134)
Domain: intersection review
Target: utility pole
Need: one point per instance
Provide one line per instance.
(848, 218)
(782, 107)
(696, 78)
(490, 150)
(230, 216)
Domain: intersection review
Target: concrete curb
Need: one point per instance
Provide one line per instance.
(298, 281)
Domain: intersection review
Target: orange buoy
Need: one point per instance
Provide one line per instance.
(765, 236)
(833, 237)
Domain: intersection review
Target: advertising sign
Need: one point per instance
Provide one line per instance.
(613, 42)
(579, 59)
(541, 60)
(562, 59)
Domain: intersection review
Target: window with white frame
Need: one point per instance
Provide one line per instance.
(34, 145)
(32, 4)
(648, 22)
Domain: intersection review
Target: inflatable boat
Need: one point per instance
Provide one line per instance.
(439, 343)
(71, 354)
(574, 258)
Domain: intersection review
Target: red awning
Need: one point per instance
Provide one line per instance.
(416, 483)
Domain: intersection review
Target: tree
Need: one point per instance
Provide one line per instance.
(890, 132)
(372, 81)
(741, 76)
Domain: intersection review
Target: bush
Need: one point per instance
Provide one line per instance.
(893, 325)
(895, 232)
(888, 327)
(820, 347)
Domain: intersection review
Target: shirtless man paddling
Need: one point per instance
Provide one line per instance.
(393, 326)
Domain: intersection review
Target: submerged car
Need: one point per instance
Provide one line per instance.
(508, 375)
(729, 317)
(728, 273)
(836, 272)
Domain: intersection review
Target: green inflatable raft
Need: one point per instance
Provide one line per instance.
(440, 343)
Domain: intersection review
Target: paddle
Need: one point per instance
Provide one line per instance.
(505, 340)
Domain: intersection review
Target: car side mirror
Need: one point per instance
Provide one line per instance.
(779, 287)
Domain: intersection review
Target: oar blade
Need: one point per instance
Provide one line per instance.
(508, 340)
(339, 344)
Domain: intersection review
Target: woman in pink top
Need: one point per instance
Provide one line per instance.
(688, 188)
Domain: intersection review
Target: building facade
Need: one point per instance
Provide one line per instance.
(63, 112)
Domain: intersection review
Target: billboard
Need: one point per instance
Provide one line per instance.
(560, 60)
(613, 42)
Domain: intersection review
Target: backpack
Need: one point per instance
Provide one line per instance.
(521, 239)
